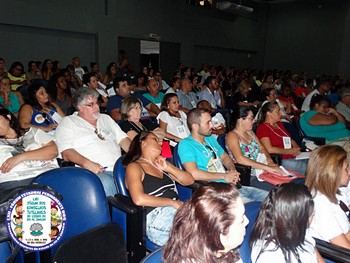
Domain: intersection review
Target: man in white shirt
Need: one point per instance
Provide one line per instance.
(344, 103)
(77, 68)
(91, 140)
(323, 88)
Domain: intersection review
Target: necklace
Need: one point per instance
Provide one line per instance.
(155, 166)
(242, 136)
(138, 129)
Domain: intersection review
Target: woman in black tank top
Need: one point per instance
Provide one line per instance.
(151, 183)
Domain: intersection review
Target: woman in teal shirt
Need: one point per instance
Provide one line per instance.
(323, 121)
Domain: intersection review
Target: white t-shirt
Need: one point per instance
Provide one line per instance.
(31, 140)
(76, 133)
(306, 104)
(329, 221)
(271, 254)
(174, 123)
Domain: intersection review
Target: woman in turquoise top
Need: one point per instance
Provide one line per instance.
(244, 146)
(12, 100)
(322, 121)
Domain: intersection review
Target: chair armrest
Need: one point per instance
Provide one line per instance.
(132, 219)
(245, 172)
(332, 252)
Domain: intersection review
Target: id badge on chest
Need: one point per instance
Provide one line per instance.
(218, 166)
(181, 131)
(287, 142)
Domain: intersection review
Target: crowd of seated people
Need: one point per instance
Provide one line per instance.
(67, 105)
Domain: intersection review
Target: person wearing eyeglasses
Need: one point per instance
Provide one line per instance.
(202, 156)
(327, 172)
(91, 140)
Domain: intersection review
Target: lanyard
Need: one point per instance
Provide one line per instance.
(268, 125)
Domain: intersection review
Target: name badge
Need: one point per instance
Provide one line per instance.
(218, 166)
(287, 142)
(56, 117)
(194, 105)
(181, 131)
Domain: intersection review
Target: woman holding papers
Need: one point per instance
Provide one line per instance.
(275, 138)
(244, 146)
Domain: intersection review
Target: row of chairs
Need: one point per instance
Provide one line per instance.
(112, 229)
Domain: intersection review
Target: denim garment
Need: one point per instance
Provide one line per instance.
(250, 194)
(158, 224)
(296, 165)
(108, 182)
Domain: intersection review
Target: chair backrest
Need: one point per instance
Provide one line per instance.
(176, 157)
(251, 212)
(84, 199)
(101, 244)
(119, 176)
(222, 141)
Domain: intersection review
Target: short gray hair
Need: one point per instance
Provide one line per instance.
(82, 94)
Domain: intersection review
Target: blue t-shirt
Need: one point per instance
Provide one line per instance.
(203, 155)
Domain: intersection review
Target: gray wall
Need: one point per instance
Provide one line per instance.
(308, 36)
(294, 35)
(39, 29)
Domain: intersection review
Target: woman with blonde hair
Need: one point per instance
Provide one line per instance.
(327, 172)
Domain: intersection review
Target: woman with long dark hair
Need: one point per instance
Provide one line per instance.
(60, 93)
(244, 146)
(39, 112)
(209, 227)
(280, 231)
(151, 183)
(111, 73)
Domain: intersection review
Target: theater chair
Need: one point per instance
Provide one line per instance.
(332, 253)
(133, 221)
(90, 236)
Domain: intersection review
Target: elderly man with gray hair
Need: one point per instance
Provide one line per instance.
(344, 103)
(91, 140)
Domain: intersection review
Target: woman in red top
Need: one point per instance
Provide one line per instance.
(276, 139)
